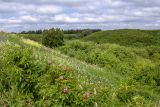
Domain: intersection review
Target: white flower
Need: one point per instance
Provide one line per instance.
(81, 86)
(95, 91)
(95, 105)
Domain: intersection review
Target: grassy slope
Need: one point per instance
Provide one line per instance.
(140, 47)
(126, 37)
(89, 72)
(122, 37)
(43, 54)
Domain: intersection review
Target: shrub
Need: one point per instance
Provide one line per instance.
(59, 87)
(149, 76)
(84, 33)
(129, 93)
(29, 82)
(53, 38)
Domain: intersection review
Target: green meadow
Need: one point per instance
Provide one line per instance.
(114, 68)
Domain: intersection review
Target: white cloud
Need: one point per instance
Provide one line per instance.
(105, 13)
(49, 9)
(28, 19)
(13, 21)
(66, 19)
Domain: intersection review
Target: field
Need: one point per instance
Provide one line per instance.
(116, 68)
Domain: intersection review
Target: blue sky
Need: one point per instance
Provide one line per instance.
(18, 15)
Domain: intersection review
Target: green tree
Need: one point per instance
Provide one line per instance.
(53, 38)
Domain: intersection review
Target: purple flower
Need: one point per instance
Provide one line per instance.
(49, 62)
(86, 95)
(65, 90)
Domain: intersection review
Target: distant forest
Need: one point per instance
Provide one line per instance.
(70, 31)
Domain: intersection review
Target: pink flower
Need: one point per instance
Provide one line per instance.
(86, 95)
(4, 105)
(65, 90)
(49, 62)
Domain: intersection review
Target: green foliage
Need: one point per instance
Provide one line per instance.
(54, 83)
(130, 94)
(3, 36)
(78, 34)
(126, 37)
(140, 65)
(110, 56)
(34, 37)
(53, 38)
(77, 31)
(70, 36)
(25, 81)
(112, 75)
(149, 76)
(85, 33)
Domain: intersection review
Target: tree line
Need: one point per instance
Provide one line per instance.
(70, 31)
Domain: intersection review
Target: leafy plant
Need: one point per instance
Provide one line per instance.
(53, 38)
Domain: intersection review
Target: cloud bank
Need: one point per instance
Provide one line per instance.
(18, 15)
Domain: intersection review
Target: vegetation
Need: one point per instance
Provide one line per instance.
(32, 32)
(68, 34)
(137, 61)
(29, 79)
(77, 31)
(53, 38)
(137, 64)
(93, 71)
(34, 37)
(126, 37)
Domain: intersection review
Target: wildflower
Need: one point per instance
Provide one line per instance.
(61, 77)
(4, 105)
(65, 69)
(65, 90)
(86, 95)
(81, 86)
(60, 65)
(95, 92)
(49, 62)
(95, 104)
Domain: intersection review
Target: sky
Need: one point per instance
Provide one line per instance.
(19, 15)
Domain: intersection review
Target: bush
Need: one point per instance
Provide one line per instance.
(84, 33)
(29, 82)
(105, 55)
(149, 76)
(53, 38)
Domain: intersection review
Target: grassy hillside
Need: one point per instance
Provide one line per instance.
(34, 37)
(34, 75)
(134, 55)
(27, 78)
(38, 37)
(126, 37)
